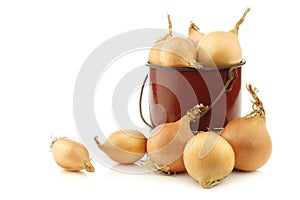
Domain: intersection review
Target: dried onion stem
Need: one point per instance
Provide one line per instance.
(257, 105)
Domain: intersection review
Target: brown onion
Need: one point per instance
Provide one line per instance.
(221, 48)
(208, 158)
(169, 51)
(154, 53)
(166, 142)
(249, 137)
(71, 155)
(124, 146)
(194, 34)
(178, 52)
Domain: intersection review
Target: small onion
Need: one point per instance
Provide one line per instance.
(249, 137)
(194, 34)
(71, 155)
(124, 146)
(208, 158)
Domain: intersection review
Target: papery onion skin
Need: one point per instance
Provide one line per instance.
(166, 144)
(221, 47)
(208, 158)
(194, 34)
(71, 155)
(178, 52)
(124, 146)
(250, 140)
(154, 53)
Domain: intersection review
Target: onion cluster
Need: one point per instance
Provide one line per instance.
(216, 48)
(208, 157)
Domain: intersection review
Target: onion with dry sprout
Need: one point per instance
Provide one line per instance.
(166, 142)
(171, 51)
(178, 52)
(194, 33)
(124, 146)
(71, 155)
(249, 137)
(221, 47)
(208, 158)
(154, 53)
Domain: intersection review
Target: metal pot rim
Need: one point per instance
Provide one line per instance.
(199, 69)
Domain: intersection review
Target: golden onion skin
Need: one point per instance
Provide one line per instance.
(124, 146)
(166, 144)
(178, 52)
(250, 140)
(71, 155)
(220, 48)
(194, 34)
(208, 158)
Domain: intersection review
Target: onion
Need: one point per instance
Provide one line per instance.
(154, 53)
(124, 146)
(208, 158)
(166, 142)
(249, 137)
(222, 47)
(71, 155)
(171, 51)
(194, 34)
(178, 52)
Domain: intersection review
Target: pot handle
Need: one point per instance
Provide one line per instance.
(231, 77)
(140, 104)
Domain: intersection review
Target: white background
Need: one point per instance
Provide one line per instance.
(42, 47)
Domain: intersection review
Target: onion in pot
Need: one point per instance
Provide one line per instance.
(194, 34)
(171, 51)
(154, 53)
(178, 52)
(221, 47)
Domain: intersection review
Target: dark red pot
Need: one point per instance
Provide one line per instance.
(173, 91)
